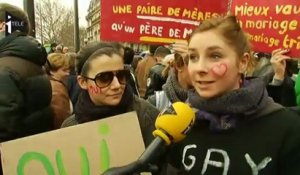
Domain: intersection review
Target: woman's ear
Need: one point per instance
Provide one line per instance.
(82, 82)
(243, 63)
(177, 68)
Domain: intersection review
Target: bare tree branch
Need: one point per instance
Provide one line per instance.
(55, 23)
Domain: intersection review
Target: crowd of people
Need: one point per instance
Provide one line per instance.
(247, 119)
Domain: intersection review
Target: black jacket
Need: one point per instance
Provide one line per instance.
(283, 94)
(25, 90)
(155, 80)
(73, 87)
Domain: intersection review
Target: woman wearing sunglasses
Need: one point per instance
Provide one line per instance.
(105, 93)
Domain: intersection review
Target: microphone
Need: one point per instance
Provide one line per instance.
(172, 125)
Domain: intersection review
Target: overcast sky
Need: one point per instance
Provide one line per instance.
(83, 6)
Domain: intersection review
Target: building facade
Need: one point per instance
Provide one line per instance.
(93, 21)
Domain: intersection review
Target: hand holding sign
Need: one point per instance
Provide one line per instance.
(181, 47)
(278, 62)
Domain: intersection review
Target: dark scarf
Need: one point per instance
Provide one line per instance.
(173, 90)
(86, 110)
(226, 111)
(25, 47)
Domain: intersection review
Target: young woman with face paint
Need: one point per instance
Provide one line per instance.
(239, 130)
(105, 93)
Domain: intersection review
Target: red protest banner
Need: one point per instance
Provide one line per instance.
(270, 24)
(154, 21)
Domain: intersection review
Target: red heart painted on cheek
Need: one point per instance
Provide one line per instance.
(95, 90)
(219, 70)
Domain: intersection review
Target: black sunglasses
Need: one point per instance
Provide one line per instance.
(104, 79)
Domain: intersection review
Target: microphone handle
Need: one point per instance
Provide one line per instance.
(124, 170)
(142, 163)
(152, 150)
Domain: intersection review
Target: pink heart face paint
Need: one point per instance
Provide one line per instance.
(94, 89)
(219, 70)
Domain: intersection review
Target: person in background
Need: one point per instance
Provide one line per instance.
(105, 92)
(135, 62)
(177, 85)
(58, 49)
(262, 67)
(59, 69)
(238, 128)
(65, 50)
(71, 81)
(53, 47)
(25, 90)
(155, 79)
(297, 89)
(128, 57)
(297, 93)
(143, 68)
(281, 86)
(276, 69)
